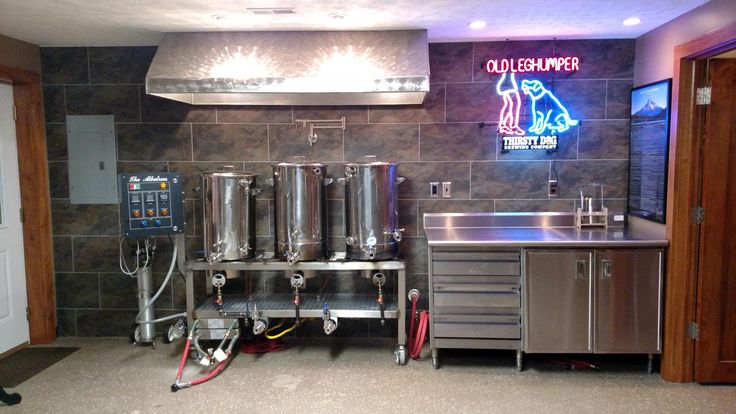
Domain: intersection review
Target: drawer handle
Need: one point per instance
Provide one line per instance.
(607, 269)
(580, 266)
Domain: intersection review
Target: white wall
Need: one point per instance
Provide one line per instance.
(655, 50)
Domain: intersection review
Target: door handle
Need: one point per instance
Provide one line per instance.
(580, 266)
(607, 269)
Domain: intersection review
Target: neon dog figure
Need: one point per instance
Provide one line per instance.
(547, 111)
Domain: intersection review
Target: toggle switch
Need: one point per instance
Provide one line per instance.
(149, 212)
(157, 222)
(144, 224)
(164, 211)
(136, 213)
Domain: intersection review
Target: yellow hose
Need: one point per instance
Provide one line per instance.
(280, 334)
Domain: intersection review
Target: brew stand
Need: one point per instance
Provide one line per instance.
(215, 318)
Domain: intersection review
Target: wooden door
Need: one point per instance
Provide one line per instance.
(13, 321)
(715, 348)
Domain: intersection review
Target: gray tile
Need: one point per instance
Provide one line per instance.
(336, 218)
(575, 175)
(473, 102)
(414, 251)
(118, 291)
(63, 254)
(567, 148)
(64, 65)
(83, 219)
(230, 142)
(264, 221)
(408, 217)
(59, 179)
(255, 114)
(618, 99)
(291, 140)
(192, 208)
(451, 206)
(352, 114)
(132, 167)
(66, 322)
(154, 142)
(553, 205)
(604, 139)
(456, 141)
(431, 110)
(420, 174)
(115, 65)
(600, 58)
(510, 179)
(386, 142)
(157, 109)
(118, 100)
(105, 322)
(584, 99)
(483, 51)
(77, 290)
(450, 62)
(96, 254)
(56, 142)
(54, 105)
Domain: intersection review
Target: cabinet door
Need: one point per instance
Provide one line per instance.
(628, 299)
(558, 297)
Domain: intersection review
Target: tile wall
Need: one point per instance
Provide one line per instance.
(441, 140)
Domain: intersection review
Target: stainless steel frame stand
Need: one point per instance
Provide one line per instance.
(279, 305)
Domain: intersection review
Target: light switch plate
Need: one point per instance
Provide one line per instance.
(553, 188)
(446, 189)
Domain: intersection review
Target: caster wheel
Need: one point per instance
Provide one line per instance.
(400, 353)
(170, 335)
(134, 336)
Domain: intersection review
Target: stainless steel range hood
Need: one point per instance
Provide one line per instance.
(292, 68)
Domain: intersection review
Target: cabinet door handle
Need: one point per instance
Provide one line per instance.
(580, 266)
(607, 269)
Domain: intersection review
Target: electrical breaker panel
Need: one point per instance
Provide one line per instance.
(151, 204)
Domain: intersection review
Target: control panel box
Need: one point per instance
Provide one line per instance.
(151, 204)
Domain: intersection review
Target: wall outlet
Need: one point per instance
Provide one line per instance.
(552, 189)
(446, 189)
(434, 189)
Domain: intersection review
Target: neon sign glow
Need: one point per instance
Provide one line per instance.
(543, 64)
(549, 115)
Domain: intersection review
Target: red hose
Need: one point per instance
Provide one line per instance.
(183, 359)
(417, 342)
(212, 374)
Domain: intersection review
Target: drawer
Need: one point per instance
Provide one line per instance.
(477, 256)
(474, 288)
(468, 311)
(476, 268)
(497, 318)
(509, 280)
(477, 330)
(464, 299)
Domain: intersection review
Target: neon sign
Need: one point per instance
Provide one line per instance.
(549, 115)
(522, 65)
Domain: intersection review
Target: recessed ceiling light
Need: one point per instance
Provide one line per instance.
(219, 17)
(337, 16)
(632, 21)
(478, 24)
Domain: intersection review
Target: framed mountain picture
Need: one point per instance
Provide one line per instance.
(648, 150)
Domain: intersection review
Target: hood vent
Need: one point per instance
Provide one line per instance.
(292, 68)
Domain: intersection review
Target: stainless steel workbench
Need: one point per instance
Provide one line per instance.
(478, 279)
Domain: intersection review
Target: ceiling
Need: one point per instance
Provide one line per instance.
(142, 22)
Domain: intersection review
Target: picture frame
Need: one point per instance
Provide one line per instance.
(649, 129)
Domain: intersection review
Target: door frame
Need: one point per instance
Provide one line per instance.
(685, 174)
(35, 200)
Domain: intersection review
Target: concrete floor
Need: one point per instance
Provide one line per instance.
(108, 375)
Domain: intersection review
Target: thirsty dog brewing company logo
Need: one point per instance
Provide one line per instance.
(548, 115)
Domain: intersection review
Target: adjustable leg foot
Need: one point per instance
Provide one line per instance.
(519, 360)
